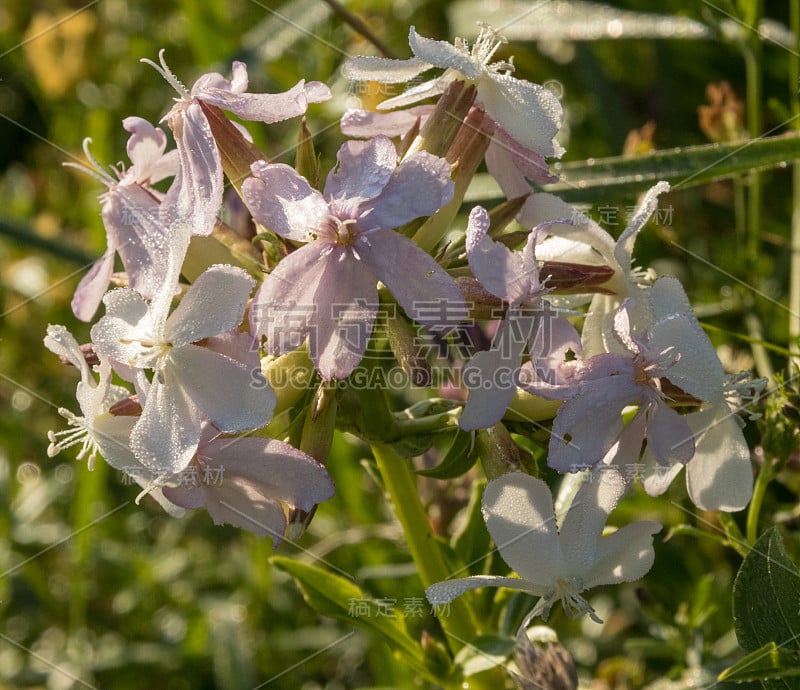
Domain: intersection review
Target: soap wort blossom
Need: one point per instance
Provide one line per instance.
(254, 480)
(584, 241)
(557, 559)
(327, 289)
(528, 322)
(187, 378)
(96, 430)
(720, 474)
(130, 216)
(529, 114)
(199, 155)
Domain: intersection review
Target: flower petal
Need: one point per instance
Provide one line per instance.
(278, 470)
(624, 556)
(669, 437)
(500, 270)
(363, 168)
(268, 107)
(284, 304)
(224, 389)
(444, 592)
(117, 335)
(491, 377)
(89, 293)
(346, 302)
(444, 54)
(529, 113)
(720, 475)
(421, 286)
(165, 437)
(282, 200)
(518, 510)
(366, 123)
(420, 186)
(581, 529)
(214, 304)
(384, 70)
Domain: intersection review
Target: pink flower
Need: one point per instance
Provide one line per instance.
(327, 289)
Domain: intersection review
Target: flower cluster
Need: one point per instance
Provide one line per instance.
(196, 346)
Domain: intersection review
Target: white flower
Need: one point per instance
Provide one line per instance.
(529, 113)
(188, 379)
(557, 563)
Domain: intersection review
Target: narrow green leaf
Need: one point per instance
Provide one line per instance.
(335, 596)
(458, 460)
(687, 166)
(770, 661)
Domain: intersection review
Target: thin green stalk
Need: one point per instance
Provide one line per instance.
(752, 62)
(794, 276)
(401, 485)
(754, 510)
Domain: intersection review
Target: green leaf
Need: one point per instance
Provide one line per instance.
(458, 460)
(484, 653)
(766, 599)
(687, 166)
(335, 596)
(770, 661)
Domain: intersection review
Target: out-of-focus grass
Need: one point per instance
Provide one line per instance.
(96, 591)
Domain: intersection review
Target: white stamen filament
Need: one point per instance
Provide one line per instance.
(168, 75)
(82, 433)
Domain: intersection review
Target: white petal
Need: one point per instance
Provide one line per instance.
(165, 437)
(213, 304)
(443, 54)
(720, 475)
(530, 113)
(224, 389)
(647, 208)
(445, 592)
(624, 556)
(583, 525)
(518, 510)
(384, 70)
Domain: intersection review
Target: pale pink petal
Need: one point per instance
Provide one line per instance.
(384, 70)
(500, 270)
(366, 123)
(118, 333)
(518, 510)
(491, 378)
(224, 389)
(420, 186)
(421, 286)
(346, 303)
(89, 293)
(192, 203)
(443, 54)
(283, 201)
(285, 302)
(363, 168)
(669, 437)
(529, 113)
(214, 304)
(145, 149)
(280, 471)
(267, 107)
(574, 443)
(131, 217)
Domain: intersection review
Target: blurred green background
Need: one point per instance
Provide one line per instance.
(98, 592)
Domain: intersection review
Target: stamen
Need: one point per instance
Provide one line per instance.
(96, 171)
(168, 75)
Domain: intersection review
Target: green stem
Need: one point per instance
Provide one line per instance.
(752, 62)
(401, 485)
(754, 510)
(794, 277)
